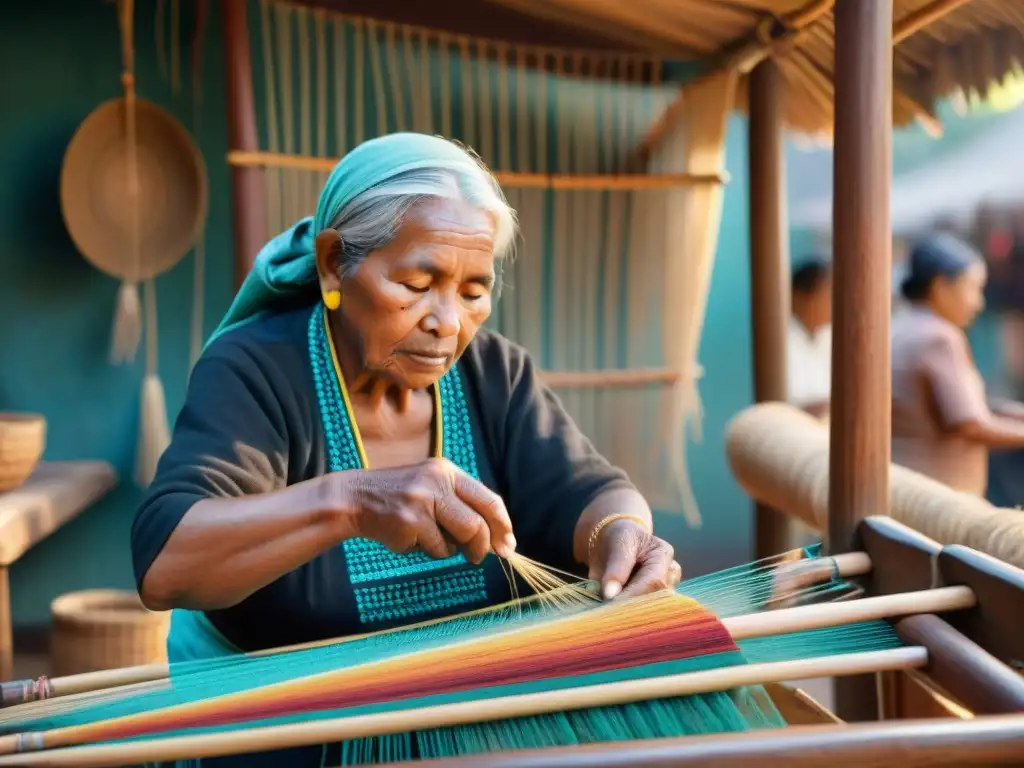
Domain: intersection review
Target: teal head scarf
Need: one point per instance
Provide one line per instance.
(284, 275)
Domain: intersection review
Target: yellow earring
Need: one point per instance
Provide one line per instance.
(332, 299)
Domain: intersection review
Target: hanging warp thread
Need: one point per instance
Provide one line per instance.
(168, 41)
(609, 290)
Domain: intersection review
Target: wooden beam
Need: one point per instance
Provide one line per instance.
(248, 191)
(511, 179)
(744, 55)
(922, 17)
(6, 629)
(862, 250)
(769, 269)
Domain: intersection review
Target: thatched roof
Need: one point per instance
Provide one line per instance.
(940, 45)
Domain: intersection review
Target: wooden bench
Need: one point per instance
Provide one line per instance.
(56, 493)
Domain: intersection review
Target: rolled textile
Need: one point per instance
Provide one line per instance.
(779, 456)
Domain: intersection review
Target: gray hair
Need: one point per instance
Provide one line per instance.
(370, 220)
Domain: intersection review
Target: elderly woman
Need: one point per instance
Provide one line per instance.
(943, 424)
(354, 444)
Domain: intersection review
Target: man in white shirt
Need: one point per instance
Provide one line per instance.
(809, 347)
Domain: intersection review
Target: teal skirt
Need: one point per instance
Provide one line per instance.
(193, 638)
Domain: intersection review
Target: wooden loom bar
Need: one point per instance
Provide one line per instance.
(249, 203)
(769, 270)
(985, 741)
(995, 622)
(859, 451)
(963, 669)
(595, 181)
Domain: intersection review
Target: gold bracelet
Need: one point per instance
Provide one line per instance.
(611, 519)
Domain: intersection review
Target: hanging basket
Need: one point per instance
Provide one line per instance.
(172, 191)
(22, 440)
(105, 629)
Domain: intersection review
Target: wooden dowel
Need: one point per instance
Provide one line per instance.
(249, 740)
(964, 669)
(108, 678)
(981, 741)
(596, 181)
(837, 614)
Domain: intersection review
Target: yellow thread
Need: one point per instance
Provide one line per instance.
(611, 519)
(439, 427)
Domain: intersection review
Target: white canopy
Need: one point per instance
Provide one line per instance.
(988, 168)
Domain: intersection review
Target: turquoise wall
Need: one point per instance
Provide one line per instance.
(56, 310)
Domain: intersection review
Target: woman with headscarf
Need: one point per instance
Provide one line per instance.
(354, 445)
(943, 425)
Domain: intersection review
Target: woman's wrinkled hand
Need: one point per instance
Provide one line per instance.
(432, 506)
(628, 561)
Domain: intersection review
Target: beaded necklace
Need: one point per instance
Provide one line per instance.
(391, 587)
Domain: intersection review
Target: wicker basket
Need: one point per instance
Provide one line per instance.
(22, 440)
(105, 629)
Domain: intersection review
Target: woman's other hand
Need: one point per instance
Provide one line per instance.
(628, 561)
(431, 506)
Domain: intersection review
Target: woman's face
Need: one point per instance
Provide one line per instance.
(961, 299)
(417, 303)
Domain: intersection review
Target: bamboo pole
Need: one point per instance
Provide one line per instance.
(913, 23)
(560, 181)
(251, 740)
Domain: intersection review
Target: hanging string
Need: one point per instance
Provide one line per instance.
(175, 46)
(198, 336)
(127, 330)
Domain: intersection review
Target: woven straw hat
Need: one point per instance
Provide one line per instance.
(173, 193)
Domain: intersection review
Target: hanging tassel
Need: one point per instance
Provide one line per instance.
(154, 431)
(127, 333)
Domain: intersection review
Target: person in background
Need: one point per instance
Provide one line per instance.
(809, 345)
(943, 424)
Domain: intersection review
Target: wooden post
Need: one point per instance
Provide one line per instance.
(862, 251)
(6, 630)
(248, 191)
(769, 269)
